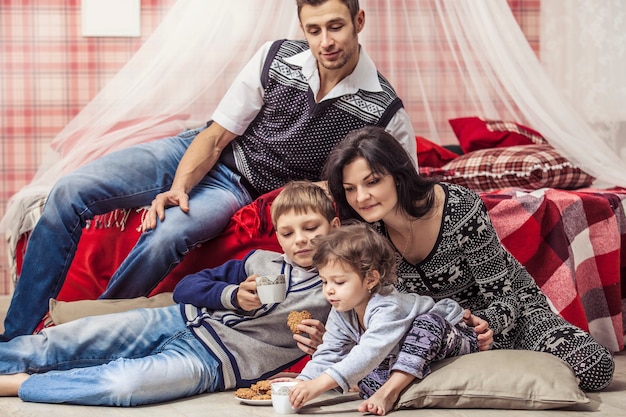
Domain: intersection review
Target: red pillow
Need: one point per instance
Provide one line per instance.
(110, 237)
(474, 134)
(430, 154)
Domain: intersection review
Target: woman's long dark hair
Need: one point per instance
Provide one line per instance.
(384, 155)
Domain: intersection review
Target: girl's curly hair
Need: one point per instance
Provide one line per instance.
(359, 246)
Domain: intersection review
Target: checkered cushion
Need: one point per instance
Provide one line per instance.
(524, 166)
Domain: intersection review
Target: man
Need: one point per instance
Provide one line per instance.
(291, 103)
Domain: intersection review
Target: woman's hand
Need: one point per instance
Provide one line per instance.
(315, 330)
(247, 298)
(481, 328)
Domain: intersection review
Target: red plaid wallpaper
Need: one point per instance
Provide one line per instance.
(48, 72)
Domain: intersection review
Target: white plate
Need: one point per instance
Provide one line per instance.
(254, 402)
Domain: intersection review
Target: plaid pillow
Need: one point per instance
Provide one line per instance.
(434, 172)
(524, 166)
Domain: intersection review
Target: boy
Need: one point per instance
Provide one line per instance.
(226, 339)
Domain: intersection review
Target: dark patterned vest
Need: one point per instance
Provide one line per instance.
(292, 135)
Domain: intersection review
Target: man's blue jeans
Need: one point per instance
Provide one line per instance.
(127, 178)
(137, 357)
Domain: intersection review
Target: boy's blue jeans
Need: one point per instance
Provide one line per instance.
(127, 178)
(138, 357)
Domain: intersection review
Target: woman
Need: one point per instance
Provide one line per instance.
(447, 247)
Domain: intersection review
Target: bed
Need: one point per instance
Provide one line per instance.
(569, 235)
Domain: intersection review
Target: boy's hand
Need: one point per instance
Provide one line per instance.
(315, 330)
(481, 328)
(247, 299)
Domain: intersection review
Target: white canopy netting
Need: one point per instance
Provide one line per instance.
(446, 58)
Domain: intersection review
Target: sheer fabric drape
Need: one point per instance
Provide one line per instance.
(583, 49)
(173, 82)
(446, 58)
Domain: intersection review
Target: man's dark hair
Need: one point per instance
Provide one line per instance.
(352, 5)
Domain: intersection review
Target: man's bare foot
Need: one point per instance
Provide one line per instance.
(378, 404)
(10, 384)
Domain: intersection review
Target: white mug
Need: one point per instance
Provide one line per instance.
(271, 288)
(280, 397)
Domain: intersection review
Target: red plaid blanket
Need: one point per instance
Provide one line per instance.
(574, 244)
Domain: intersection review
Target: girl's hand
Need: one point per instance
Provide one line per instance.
(305, 391)
(481, 328)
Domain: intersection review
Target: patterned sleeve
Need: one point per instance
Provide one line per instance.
(491, 265)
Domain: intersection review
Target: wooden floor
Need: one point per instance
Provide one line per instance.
(611, 402)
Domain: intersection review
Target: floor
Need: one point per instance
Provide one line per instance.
(611, 402)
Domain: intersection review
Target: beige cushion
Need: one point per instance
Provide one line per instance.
(64, 311)
(504, 379)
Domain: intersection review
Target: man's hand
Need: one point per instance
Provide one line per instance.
(160, 203)
(202, 154)
(315, 330)
(481, 328)
(247, 298)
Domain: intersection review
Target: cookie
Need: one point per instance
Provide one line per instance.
(262, 386)
(262, 390)
(245, 393)
(295, 318)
